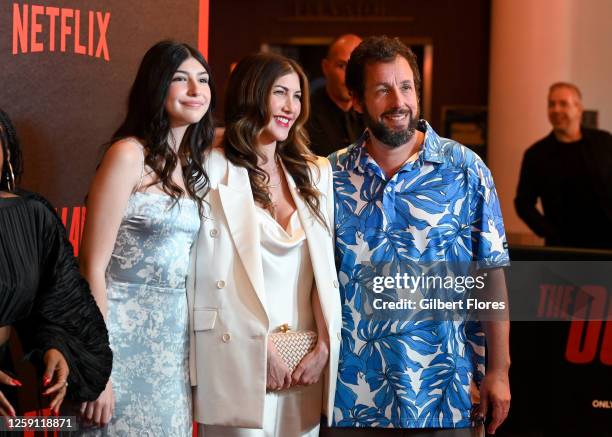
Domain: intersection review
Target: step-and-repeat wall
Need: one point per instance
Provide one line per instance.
(66, 67)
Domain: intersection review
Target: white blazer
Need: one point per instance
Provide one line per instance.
(227, 306)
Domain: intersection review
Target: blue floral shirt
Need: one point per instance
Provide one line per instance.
(441, 207)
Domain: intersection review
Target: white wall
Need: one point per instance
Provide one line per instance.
(533, 44)
(591, 67)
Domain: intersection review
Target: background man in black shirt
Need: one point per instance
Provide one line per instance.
(570, 170)
(333, 124)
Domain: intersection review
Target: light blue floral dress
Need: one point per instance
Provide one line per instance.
(148, 318)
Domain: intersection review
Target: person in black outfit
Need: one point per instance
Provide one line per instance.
(42, 294)
(333, 124)
(570, 170)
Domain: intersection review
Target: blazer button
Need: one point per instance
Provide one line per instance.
(226, 337)
(220, 284)
(214, 232)
(335, 283)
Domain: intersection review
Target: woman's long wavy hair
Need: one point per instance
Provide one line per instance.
(247, 113)
(148, 121)
(11, 151)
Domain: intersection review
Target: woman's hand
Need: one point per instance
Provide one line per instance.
(310, 368)
(279, 376)
(6, 409)
(100, 411)
(55, 378)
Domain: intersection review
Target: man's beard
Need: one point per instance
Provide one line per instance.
(386, 135)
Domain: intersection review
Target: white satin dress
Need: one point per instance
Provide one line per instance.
(288, 279)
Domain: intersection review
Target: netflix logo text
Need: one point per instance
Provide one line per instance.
(38, 28)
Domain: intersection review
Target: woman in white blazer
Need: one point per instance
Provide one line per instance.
(264, 257)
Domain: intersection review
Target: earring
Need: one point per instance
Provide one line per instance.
(10, 177)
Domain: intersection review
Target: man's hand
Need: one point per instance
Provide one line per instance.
(494, 398)
(495, 387)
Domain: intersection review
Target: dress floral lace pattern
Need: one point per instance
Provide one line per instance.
(148, 318)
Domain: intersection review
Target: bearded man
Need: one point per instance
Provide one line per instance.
(405, 196)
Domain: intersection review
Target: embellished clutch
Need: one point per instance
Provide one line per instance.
(293, 345)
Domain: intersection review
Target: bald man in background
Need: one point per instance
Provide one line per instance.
(570, 171)
(333, 124)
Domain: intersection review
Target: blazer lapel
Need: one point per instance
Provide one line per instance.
(317, 236)
(239, 207)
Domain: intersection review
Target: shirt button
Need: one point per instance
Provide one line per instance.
(226, 337)
(214, 232)
(335, 283)
(220, 284)
(339, 336)
(388, 189)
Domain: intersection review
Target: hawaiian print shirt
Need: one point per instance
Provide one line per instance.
(441, 207)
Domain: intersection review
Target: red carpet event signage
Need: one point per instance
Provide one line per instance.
(74, 225)
(37, 28)
(66, 69)
(562, 346)
(587, 340)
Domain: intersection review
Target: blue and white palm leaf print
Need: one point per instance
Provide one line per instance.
(451, 238)
(361, 416)
(352, 366)
(381, 338)
(457, 155)
(487, 220)
(420, 196)
(474, 348)
(416, 372)
(395, 394)
(347, 220)
(442, 390)
(370, 214)
(343, 191)
(359, 285)
(391, 247)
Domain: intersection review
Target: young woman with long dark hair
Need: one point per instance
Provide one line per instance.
(143, 215)
(264, 259)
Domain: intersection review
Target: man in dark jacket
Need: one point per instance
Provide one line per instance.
(333, 124)
(570, 171)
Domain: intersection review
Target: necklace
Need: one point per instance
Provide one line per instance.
(280, 181)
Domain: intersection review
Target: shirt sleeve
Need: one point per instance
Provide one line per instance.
(490, 248)
(66, 317)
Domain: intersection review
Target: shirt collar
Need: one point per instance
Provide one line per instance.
(432, 146)
(430, 152)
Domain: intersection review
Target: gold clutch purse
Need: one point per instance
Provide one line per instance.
(293, 345)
